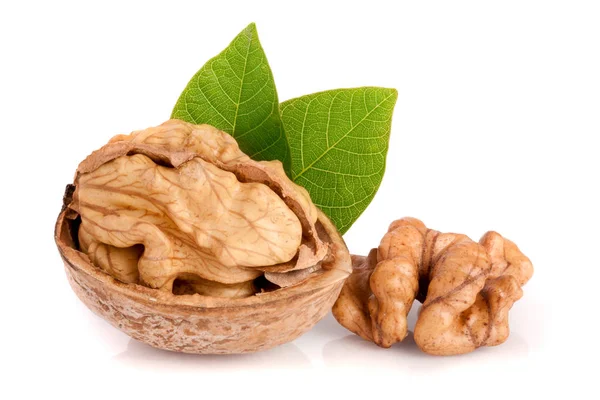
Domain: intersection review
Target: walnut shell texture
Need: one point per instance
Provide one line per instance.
(202, 324)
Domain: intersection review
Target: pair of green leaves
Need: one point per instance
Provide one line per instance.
(333, 143)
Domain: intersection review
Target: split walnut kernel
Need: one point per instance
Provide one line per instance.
(181, 208)
(467, 289)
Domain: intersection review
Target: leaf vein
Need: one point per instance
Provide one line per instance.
(304, 169)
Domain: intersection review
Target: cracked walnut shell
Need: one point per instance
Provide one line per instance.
(180, 240)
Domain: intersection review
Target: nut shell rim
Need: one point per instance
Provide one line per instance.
(78, 261)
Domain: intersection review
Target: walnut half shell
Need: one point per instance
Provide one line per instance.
(179, 239)
(204, 324)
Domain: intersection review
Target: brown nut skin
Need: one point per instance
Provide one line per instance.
(467, 289)
(201, 324)
(472, 288)
(180, 201)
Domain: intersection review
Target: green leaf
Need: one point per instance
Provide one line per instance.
(235, 92)
(338, 144)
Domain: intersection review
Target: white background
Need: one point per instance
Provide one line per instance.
(496, 127)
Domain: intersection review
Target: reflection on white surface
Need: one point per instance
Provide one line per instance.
(352, 350)
(330, 344)
(140, 355)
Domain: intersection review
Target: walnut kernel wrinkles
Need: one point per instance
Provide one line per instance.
(467, 289)
(182, 200)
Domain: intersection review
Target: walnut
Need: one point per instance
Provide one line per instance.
(466, 288)
(179, 214)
